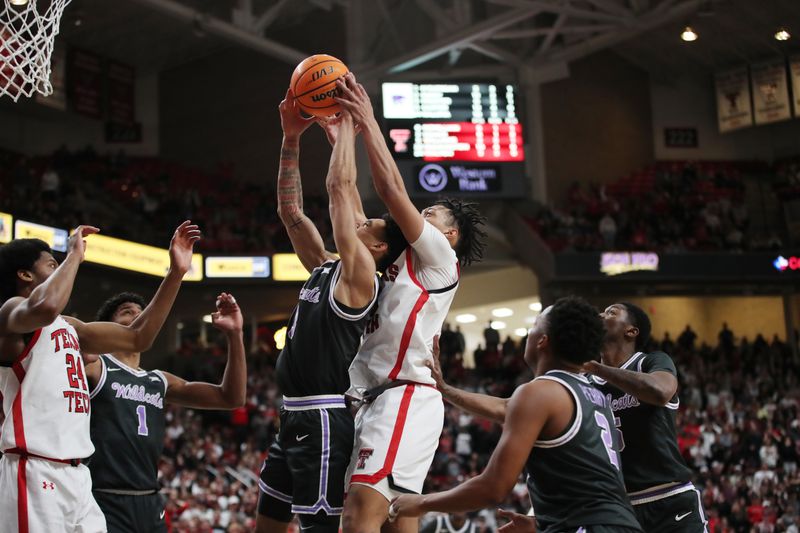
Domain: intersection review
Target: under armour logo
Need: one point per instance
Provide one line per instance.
(48, 485)
(363, 455)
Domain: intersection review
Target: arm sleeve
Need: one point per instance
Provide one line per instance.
(658, 362)
(433, 248)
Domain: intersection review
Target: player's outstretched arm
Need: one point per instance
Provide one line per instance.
(305, 237)
(385, 175)
(481, 405)
(21, 315)
(330, 126)
(528, 410)
(356, 285)
(232, 391)
(656, 388)
(107, 337)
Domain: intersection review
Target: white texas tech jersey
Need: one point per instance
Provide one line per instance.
(418, 290)
(46, 398)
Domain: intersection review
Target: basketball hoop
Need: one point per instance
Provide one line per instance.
(26, 44)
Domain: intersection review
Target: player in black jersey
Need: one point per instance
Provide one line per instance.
(304, 471)
(557, 427)
(128, 421)
(642, 390)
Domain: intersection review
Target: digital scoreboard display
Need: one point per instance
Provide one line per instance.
(456, 137)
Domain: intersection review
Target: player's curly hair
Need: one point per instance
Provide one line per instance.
(472, 238)
(17, 255)
(638, 319)
(575, 330)
(395, 241)
(110, 306)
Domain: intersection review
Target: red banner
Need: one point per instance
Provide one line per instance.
(85, 83)
(121, 97)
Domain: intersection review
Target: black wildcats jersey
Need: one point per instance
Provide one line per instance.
(650, 453)
(323, 337)
(127, 427)
(575, 480)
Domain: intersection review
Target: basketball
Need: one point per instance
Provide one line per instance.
(314, 84)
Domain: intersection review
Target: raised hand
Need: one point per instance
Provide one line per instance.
(228, 316)
(354, 98)
(517, 523)
(292, 122)
(331, 126)
(77, 242)
(181, 247)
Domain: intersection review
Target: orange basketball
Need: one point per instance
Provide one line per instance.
(314, 84)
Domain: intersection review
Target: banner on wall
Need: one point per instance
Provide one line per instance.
(6, 229)
(127, 255)
(85, 83)
(794, 68)
(734, 110)
(56, 238)
(121, 99)
(770, 92)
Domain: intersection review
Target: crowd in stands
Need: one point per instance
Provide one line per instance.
(670, 206)
(144, 199)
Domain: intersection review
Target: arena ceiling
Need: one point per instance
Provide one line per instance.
(386, 37)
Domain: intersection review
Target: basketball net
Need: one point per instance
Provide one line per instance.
(26, 44)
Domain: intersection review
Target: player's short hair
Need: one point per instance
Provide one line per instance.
(468, 219)
(17, 255)
(575, 330)
(638, 319)
(395, 241)
(110, 306)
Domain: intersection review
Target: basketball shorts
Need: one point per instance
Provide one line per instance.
(677, 513)
(43, 496)
(305, 466)
(396, 438)
(133, 514)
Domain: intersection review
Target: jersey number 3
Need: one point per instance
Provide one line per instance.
(608, 439)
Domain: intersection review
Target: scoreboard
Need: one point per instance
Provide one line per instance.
(456, 137)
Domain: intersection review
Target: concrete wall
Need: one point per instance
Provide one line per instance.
(690, 103)
(34, 129)
(597, 123)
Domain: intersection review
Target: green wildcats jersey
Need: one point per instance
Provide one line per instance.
(127, 427)
(650, 453)
(575, 479)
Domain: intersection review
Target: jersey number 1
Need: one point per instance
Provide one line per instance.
(142, 414)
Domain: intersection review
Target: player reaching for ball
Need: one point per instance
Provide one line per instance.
(305, 469)
(398, 427)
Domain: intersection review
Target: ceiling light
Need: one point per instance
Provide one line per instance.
(688, 34)
(18, 2)
(466, 318)
(498, 324)
(782, 34)
(502, 312)
(530, 319)
(536, 306)
(521, 332)
(207, 319)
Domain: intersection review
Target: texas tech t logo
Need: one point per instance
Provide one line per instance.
(363, 455)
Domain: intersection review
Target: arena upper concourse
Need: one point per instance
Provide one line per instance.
(642, 151)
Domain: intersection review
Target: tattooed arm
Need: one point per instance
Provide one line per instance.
(305, 237)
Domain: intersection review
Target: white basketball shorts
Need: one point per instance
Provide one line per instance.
(396, 438)
(47, 497)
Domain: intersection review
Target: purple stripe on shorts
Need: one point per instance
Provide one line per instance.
(308, 403)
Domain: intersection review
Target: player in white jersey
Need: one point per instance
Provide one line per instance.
(45, 487)
(398, 427)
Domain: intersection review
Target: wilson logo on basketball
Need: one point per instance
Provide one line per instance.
(323, 96)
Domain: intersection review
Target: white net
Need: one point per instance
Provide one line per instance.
(28, 29)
